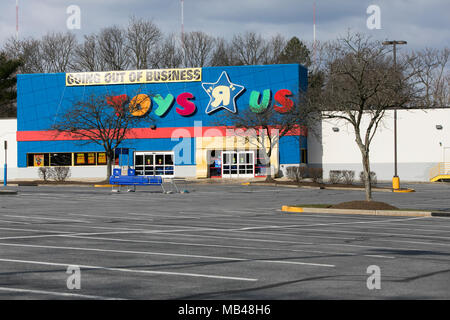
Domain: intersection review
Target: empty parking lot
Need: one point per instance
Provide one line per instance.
(218, 242)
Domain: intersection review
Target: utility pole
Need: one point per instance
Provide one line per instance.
(182, 33)
(314, 33)
(395, 179)
(17, 20)
(5, 172)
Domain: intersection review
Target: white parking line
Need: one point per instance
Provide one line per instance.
(368, 233)
(164, 216)
(18, 222)
(378, 247)
(186, 243)
(250, 248)
(232, 230)
(316, 224)
(131, 270)
(42, 218)
(60, 294)
(108, 217)
(138, 231)
(169, 254)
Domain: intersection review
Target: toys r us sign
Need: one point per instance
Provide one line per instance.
(223, 94)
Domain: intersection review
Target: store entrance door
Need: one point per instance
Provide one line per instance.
(238, 164)
(154, 163)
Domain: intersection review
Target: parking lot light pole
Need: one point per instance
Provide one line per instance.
(5, 172)
(395, 179)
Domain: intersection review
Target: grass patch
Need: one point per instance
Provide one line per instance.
(317, 205)
(323, 205)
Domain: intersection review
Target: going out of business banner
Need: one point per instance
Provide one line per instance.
(133, 76)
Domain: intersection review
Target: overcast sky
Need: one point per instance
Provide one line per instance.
(423, 23)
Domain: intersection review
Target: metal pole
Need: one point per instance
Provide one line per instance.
(395, 116)
(17, 20)
(314, 33)
(5, 173)
(395, 179)
(182, 33)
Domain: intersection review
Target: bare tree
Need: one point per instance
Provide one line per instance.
(361, 83)
(143, 37)
(105, 120)
(29, 51)
(197, 47)
(57, 51)
(275, 48)
(431, 73)
(87, 56)
(222, 54)
(250, 48)
(169, 55)
(114, 48)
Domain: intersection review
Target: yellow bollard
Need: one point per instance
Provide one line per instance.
(395, 183)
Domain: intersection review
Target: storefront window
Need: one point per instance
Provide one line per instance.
(101, 158)
(38, 160)
(304, 156)
(60, 159)
(80, 159)
(85, 159)
(64, 159)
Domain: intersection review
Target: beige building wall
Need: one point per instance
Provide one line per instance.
(228, 143)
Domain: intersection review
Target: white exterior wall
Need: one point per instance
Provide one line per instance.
(420, 145)
(8, 129)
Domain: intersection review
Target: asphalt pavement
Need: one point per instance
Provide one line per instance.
(219, 242)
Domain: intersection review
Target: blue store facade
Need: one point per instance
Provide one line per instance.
(185, 103)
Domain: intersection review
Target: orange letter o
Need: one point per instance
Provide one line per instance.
(140, 105)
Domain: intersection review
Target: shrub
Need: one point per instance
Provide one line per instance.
(302, 172)
(373, 178)
(348, 176)
(292, 173)
(335, 176)
(315, 174)
(296, 173)
(45, 173)
(60, 173)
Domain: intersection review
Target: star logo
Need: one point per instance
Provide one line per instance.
(222, 94)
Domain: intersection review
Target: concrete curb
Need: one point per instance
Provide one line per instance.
(8, 192)
(440, 214)
(324, 187)
(396, 213)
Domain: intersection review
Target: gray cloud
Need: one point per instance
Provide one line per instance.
(420, 22)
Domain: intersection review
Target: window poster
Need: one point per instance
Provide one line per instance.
(102, 158)
(80, 158)
(38, 160)
(91, 158)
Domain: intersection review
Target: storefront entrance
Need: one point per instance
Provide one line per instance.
(238, 164)
(154, 163)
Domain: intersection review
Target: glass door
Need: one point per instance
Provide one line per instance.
(154, 163)
(238, 164)
(246, 164)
